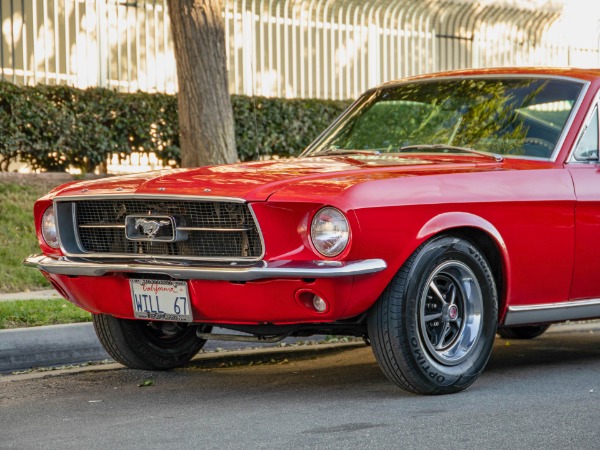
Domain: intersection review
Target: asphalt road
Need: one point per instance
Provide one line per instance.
(536, 394)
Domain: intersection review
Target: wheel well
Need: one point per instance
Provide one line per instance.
(489, 248)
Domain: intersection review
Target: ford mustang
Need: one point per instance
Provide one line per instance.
(435, 212)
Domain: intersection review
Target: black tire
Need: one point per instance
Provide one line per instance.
(526, 332)
(140, 344)
(444, 350)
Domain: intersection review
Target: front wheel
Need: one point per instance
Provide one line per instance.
(433, 328)
(140, 344)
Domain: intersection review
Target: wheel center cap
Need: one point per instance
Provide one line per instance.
(452, 312)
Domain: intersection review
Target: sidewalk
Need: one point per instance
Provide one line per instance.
(31, 295)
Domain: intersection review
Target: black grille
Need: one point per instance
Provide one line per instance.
(228, 229)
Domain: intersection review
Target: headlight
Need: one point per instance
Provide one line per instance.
(49, 228)
(330, 231)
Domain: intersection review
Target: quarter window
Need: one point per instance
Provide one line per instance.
(587, 147)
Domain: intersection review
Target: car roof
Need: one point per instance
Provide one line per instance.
(562, 72)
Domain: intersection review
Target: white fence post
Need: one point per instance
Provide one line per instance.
(373, 57)
(248, 61)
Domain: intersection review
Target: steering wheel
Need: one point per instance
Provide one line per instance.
(544, 147)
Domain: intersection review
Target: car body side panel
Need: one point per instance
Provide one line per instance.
(586, 273)
(532, 212)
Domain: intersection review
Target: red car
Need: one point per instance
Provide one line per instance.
(434, 211)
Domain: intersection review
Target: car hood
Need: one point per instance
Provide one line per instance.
(256, 181)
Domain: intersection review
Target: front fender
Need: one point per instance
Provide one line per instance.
(453, 220)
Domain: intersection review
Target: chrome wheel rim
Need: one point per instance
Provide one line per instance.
(451, 312)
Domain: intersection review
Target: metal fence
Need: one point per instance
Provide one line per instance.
(286, 48)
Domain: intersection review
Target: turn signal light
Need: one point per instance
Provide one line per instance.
(319, 304)
(312, 301)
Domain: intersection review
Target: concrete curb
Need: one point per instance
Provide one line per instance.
(25, 348)
(59, 345)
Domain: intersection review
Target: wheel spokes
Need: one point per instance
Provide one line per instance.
(441, 312)
(442, 336)
(452, 291)
(430, 317)
(437, 292)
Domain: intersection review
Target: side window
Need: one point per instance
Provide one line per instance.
(587, 147)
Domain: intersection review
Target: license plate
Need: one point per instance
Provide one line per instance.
(161, 300)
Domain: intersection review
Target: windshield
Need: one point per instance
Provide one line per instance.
(512, 116)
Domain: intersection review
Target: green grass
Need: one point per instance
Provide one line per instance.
(17, 233)
(35, 313)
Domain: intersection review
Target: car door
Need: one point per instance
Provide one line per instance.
(584, 166)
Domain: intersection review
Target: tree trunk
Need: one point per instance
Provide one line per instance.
(205, 115)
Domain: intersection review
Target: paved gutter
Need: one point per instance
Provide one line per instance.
(206, 360)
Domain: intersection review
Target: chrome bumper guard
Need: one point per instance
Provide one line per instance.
(262, 270)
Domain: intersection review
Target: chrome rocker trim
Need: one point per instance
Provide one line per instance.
(554, 312)
(275, 269)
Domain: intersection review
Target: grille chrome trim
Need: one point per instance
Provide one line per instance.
(221, 230)
(195, 198)
(103, 225)
(118, 225)
(72, 246)
(151, 258)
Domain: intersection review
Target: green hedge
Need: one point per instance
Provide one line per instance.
(54, 127)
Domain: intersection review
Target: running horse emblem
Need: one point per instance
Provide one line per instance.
(150, 227)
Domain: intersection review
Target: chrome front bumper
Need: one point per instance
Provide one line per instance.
(262, 270)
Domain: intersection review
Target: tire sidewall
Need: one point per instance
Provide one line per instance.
(430, 369)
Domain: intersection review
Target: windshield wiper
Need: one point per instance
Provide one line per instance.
(344, 151)
(408, 148)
